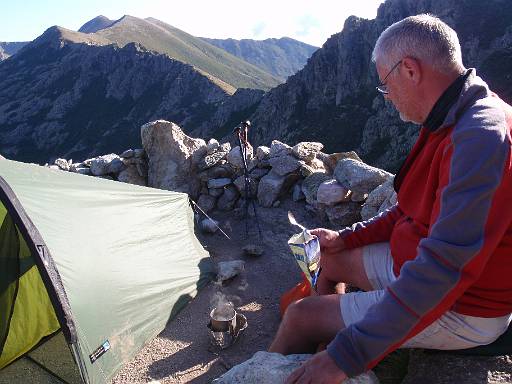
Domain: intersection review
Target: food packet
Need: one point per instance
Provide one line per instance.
(306, 250)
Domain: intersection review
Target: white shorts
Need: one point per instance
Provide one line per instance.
(451, 331)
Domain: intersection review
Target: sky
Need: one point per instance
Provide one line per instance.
(310, 21)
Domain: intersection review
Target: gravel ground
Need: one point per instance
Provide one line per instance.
(182, 352)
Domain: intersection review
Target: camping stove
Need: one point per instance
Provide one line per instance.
(226, 325)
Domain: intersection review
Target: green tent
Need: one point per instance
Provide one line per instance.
(90, 271)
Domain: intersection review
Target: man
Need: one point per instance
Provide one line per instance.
(436, 267)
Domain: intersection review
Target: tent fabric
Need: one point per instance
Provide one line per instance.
(126, 256)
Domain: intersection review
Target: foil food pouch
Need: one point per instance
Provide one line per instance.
(306, 250)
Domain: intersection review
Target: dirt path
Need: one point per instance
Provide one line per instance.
(182, 352)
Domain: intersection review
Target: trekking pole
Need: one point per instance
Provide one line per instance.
(241, 131)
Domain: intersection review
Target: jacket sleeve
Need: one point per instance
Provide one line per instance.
(471, 214)
(375, 230)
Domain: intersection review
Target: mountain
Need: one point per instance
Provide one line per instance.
(160, 37)
(94, 25)
(281, 57)
(333, 98)
(70, 94)
(8, 49)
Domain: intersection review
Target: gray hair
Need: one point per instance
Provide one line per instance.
(423, 37)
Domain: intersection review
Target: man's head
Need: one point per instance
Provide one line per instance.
(417, 58)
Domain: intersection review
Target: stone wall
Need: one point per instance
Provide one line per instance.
(339, 187)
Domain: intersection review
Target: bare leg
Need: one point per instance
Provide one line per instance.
(347, 267)
(308, 322)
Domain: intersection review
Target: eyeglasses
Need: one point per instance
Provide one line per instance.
(382, 87)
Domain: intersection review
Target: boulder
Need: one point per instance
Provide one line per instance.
(212, 146)
(283, 165)
(258, 173)
(379, 197)
(80, 168)
(62, 164)
(331, 192)
(311, 183)
(171, 156)
(129, 153)
(215, 192)
(306, 150)
(273, 185)
(234, 157)
(228, 199)
(211, 160)
(274, 368)
(217, 172)
(279, 149)
(139, 153)
(239, 183)
(331, 160)
(103, 165)
(218, 183)
(131, 175)
(262, 153)
(358, 197)
(344, 214)
(228, 269)
(209, 225)
(358, 176)
(206, 202)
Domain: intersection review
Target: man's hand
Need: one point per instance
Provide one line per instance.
(320, 369)
(330, 241)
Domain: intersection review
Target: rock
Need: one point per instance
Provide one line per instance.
(239, 183)
(318, 165)
(209, 225)
(274, 368)
(448, 368)
(106, 164)
(130, 175)
(276, 204)
(343, 214)
(358, 197)
(331, 192)
(206, 202)
(252, 250)
(279, 149)
(228, 199)
(212, 146)
(331, 160)
(218, 183)
(297, 194)
(262, 153)
(55, 167)
(306, 150)
(129, 153)
(211, 160)
(139, 153)
(272, 186)
(228, 269)
(171, 156)
(80, 168)
(2, 158)
(307, 170)
(217, 172)
(376, 198)
(311, 183)
(258, 173)
(215, 192)
(234, 157)
(283, 165)
(358, 176)
(62, 164)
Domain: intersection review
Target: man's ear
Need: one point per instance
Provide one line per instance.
(412, 69)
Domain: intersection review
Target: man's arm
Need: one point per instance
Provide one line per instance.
(375, 230)
(471, 215)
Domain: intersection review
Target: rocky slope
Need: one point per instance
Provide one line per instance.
(96, 24)
(281, 57)
(333, 98)
(69, 94)
(8, 49)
